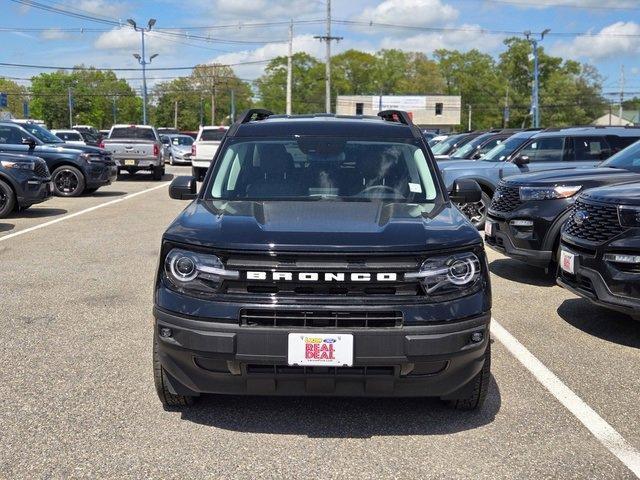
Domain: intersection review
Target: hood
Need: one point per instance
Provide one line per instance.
(453, 165)
(587, 177)
(628, 194)
(67, 148)
(17, 157)
(181, 148)
(322, 226)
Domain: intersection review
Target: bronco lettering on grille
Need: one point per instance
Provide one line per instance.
(322, 277)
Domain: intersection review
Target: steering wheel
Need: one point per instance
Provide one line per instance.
(386, 188)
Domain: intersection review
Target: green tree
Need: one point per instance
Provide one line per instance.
(16, 95)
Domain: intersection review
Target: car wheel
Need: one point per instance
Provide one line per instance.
(7, 199)
(480, 386)
(160, 380)
(157, 173)
(68, 181)
(476, 212)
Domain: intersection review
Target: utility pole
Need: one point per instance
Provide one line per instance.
(535, 89)
(620, 111)
(505, 113)
(114, 109)
(469, 108)
(214, 91)
(70, 101)
(201, 113)
(142, 60)
(327, 38)
(290, 69)
(175, 114)
(233, 107)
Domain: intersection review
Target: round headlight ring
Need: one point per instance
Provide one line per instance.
(183, 268)
(462, 271)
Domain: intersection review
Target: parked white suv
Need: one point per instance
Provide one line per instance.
(204, 148)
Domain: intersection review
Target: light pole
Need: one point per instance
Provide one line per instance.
(535, 90)
(142, 60)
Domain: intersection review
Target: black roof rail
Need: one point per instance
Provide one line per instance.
(396, 116)
(258, 113)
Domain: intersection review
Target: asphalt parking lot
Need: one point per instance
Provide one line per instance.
(76, 280)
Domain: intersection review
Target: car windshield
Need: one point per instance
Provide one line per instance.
(185, 141)
(501, 152)
(323, 168)
(627, 159)
(69, 136)
(465, 150)
(445, 145)
(133, 133)
(41, 133)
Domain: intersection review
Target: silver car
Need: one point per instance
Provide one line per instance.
(177, 148)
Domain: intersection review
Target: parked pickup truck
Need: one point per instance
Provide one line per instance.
(134, 148)
(204, 148)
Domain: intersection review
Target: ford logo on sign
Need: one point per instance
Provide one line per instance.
(580, 217)
(329, 340)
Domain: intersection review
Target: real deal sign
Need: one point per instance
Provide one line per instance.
(329, 350)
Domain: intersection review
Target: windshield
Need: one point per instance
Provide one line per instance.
(445, 145)
(69, 136)
(213, 135)
(627, 159)
(329, 168)
(41, 133)
(133, 133)
(501, 152)
(465, 150)
(185, 141)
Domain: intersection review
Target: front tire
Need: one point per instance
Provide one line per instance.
(480, 387)
(7, 199)
(168, 399)
(158, 172)
(477, 212)
(68, 181)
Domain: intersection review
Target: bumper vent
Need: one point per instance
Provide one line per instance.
(319, 319)
(41, 169)
(593, 222)
(505, 199)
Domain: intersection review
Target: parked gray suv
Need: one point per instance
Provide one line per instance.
(534, 151)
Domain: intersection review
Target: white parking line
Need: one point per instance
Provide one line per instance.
(604, 433)
(81, 212)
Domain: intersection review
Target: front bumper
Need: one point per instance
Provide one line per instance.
(101, 174)
(34, 190)
(603, 283)
(501, 241)
(204, 356)
(199, 163)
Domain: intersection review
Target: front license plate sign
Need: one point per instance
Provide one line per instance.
(320, 349)
(568, 262)
(129, 162)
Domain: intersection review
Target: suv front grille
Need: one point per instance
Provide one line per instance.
(505, 199)
(41, 169)
(319, 319)
(599, 222)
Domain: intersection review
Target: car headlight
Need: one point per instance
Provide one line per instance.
(18, 165)
(194, 272)
(629, 216)
(456, 274)
(90, 158)
(548, 193)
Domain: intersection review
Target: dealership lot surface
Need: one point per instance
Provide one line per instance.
(78, 395)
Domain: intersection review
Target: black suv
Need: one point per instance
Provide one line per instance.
(322, 256)
(24, 181)
(528, 211)
(75, 169)
(600, 250)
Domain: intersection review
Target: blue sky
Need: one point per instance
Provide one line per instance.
(31, 35)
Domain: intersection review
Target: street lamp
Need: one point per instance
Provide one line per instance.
(535, 105)
(142, 61)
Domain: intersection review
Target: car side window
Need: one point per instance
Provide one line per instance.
(591, 148)
(489, 145)
(549, 149)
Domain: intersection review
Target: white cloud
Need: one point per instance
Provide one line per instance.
(257, 10)
(575, 3)
(612, 41)
(54, 34)
(127, 39)
(421, 13)
(102, 8)
(466, 38)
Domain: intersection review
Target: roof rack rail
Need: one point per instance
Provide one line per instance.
(258, 113)
(396, 116)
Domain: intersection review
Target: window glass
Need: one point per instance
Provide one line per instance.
(627, 159)
(10, 135)
(213, 135)
(489, 145)
(439, 108)
(182, 140)
(69, 136)
(549, 149)
(41, 133)
(133, 133)
(591, 148)
(314, 168)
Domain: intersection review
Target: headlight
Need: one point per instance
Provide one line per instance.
(456, 274)
(548, 193)
(90, 158)
(193, 272)
(18, 165)
(629, 216)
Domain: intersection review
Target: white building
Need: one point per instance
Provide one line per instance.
(437, 112)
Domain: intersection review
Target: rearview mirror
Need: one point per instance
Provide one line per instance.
(465, 191)
(183, 188)
(29, 141)
(521, 160)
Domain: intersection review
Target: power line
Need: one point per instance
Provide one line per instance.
(50, 67)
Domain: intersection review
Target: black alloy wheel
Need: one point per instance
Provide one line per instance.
(68, 181)
(7, 199)
(476, 212)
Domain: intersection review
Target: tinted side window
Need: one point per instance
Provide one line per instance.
(591, 148)
(489, 145)
(620, 143)
(10, 135)
(550, 149)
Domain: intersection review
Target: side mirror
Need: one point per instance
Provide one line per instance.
(465, 191)
(521, 160)
(29, 141)
(477, 156)
(183, 188)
